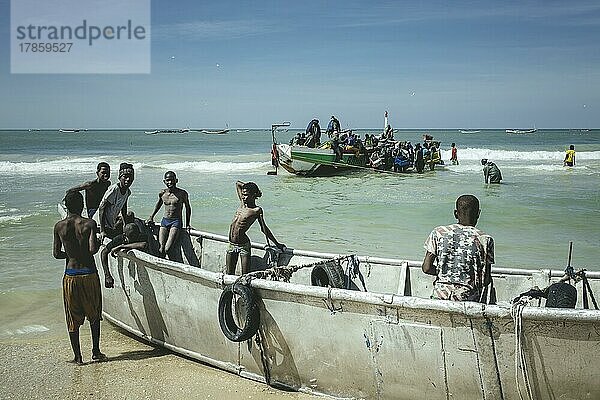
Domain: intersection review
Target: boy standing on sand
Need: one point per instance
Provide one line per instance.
(174, 200)
(94, 190)
(81, 286)
(246, 214)
(463, 255)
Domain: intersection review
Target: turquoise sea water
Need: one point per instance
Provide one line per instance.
(539, 208)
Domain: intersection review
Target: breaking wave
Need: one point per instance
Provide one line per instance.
(215, 166)
(85, 165)
(469, 153)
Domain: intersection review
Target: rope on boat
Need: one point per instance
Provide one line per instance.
(516, 313)
(284, 273)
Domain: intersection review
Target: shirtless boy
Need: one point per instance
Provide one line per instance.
(174, 199)
(246, 214)
(94, 190)
(81, 286)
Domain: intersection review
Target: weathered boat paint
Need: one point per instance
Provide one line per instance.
(390, 342)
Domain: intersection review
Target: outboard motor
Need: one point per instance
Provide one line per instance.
(561, 295)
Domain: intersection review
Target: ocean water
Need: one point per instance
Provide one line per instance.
(533, 215)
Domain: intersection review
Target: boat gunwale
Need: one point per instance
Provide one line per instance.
(383, 260)
(389, 300)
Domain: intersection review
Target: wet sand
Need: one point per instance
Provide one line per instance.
(37, 368)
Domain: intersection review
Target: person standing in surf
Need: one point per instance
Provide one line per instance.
(454, 155)
(174, 199)
(82, 295)
(570, 157)
(246, 214)
(491, 172)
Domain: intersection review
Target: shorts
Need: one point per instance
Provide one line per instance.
(82, 298)
(244, 249)
(569, 164)
(170, 223)
(456, 292)
(91, 212)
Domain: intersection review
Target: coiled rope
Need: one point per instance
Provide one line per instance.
(516, 313)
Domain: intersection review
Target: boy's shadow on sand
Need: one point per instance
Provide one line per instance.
(136, 355)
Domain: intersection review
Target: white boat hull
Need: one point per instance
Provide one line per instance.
(390, 342)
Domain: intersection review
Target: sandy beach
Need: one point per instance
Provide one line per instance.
(37, 368)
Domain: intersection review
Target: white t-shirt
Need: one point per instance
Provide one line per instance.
(113, 201)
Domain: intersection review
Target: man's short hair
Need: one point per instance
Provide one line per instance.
(131, 232)
(123, 167)
(252, 188)
(484, 161)
(74, 202)
(170, 173)
(467, 204)
(102, 165)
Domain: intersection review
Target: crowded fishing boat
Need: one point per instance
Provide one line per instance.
(345, 150)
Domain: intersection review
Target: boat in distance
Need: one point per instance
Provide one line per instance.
(520, 131)
(167, 131)
(71, 130)
(469, 131)
(314, 317)
(213, 132)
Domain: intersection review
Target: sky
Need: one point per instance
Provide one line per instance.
(248, 64)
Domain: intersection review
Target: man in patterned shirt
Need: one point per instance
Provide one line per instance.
(460, 255)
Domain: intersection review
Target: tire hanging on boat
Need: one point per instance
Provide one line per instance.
(226, 318)
(330, 274)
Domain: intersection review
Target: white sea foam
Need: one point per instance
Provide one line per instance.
(28, 329)
(215, 166)
(8, 219)
(49, 167)
(513, 155)
(85, 165)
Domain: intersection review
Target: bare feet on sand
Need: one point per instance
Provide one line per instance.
(98, 357)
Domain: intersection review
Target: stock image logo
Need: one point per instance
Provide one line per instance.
(80, 37)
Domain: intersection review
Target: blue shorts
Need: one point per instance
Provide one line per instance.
(170, 223)
(91, 212)
(80, 271)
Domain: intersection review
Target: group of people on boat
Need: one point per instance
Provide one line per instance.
(381, 152)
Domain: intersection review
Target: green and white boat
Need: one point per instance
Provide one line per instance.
(302, 160)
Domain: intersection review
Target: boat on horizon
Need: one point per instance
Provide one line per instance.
(71, 130)
(167, 131)
(469, 131)
(520, 131)
(302, 320)
(215, 132)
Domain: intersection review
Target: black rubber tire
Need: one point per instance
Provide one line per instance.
(226, 318)
(330, 274)
(561, 295)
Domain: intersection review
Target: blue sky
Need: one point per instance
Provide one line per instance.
(436, 64)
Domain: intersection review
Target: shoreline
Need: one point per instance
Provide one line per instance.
(37, 367)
